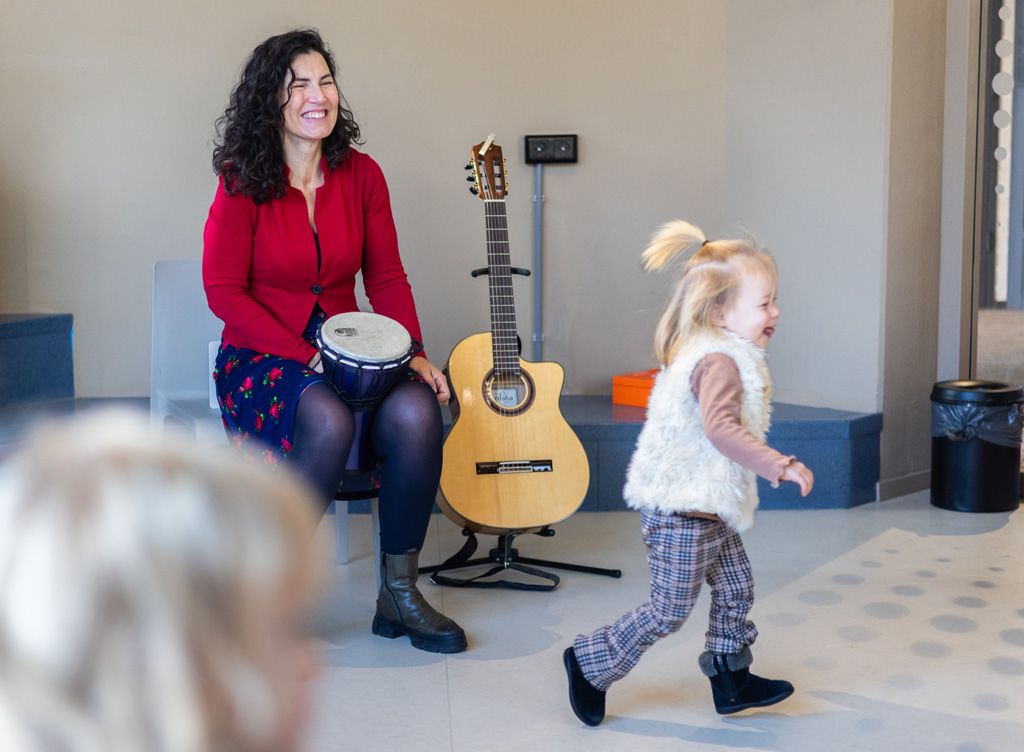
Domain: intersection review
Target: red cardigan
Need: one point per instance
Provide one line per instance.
(260, 262)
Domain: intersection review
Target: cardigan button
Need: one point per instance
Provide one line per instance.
(316, 289)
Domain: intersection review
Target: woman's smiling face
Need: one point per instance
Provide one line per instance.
(309, 99)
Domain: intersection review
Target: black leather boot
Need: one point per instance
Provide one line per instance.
(587, 701)
(402, 609)
(734, 688)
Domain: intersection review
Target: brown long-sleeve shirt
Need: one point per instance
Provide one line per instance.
(717, 385)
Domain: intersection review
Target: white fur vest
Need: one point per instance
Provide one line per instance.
(675, 468)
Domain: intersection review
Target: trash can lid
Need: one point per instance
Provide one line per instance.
(977, 392)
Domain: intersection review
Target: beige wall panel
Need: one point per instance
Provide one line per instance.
(910, 344)
(104, 161)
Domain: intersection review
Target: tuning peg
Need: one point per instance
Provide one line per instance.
(469, 166)
(471, 179)
(473, 190)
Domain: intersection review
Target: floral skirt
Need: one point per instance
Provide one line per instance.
(258, 394)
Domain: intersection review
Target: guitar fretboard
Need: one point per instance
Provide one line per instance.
(504, 342)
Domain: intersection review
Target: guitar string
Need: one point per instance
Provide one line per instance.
(503, 326)
(496, 334)
(497, 384)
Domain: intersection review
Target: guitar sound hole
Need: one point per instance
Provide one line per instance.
(508, 394)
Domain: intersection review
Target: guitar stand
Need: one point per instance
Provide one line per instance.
(506, 557)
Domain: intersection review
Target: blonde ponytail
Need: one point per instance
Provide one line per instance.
(672, 239)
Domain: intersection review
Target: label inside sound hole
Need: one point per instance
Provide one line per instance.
(508, 393)
(514, 466)
(505, 396)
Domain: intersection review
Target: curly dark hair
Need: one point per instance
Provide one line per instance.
(248, 151)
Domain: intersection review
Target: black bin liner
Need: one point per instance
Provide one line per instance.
(976, 445)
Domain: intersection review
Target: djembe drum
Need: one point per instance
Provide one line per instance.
(364, 355)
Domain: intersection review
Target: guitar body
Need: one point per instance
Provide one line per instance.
(511, 461)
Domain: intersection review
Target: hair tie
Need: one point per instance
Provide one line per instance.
(704, 243)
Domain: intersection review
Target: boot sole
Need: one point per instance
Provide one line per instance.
(730, 709)
(431, 644)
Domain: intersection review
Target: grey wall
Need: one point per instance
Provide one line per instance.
(773, 116)
(105, 167)
(807, 126)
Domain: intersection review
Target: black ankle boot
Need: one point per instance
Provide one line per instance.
(734, 688)
(402, 609)
(587, 700)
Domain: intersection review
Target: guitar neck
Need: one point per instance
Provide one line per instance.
(504, 339)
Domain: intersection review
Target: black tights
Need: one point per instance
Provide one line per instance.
(406, 437)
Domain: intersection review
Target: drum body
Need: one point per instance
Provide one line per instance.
(364, 355)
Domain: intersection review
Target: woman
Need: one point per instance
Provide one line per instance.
(298, 212)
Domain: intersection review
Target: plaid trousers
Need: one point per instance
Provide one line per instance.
(682, 553)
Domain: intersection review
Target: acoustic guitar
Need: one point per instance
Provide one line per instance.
(511, 461)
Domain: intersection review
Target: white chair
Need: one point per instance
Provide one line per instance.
(180, 374)
(181, 392)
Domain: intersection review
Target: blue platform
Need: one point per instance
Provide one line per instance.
(842, 448)
(35, 358)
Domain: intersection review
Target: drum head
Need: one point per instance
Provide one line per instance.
(366, 337)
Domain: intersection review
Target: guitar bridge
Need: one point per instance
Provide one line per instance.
(514, 466)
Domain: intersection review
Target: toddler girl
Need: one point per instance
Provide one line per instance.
(693, 474)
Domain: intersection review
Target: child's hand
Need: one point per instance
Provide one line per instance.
(797, 472)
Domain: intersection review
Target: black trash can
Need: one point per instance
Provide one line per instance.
(976, 438)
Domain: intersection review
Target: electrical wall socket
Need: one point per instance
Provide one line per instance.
(544, 149)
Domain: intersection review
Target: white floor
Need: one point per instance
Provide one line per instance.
(901, 625)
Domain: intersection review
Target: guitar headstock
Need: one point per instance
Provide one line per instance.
(489, 179)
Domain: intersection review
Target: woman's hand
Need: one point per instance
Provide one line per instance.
(433, 376)
(797, 472)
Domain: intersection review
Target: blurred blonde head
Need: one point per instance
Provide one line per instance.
(709, 283)
(144, 589)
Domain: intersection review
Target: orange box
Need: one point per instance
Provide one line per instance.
(633, 389)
